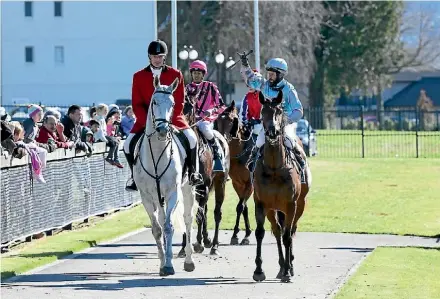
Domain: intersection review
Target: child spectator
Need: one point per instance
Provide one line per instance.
(127, 122)
(35, 113)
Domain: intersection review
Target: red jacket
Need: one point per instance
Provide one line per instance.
(44, 135)
(250, 107)
(142, 91)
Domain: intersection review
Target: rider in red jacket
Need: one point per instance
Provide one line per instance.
(142, 91)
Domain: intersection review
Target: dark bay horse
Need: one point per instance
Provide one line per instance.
(212, 181)
(278, 193)
(240, 147)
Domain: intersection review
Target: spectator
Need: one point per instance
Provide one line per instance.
(127, 122)
(48, 133)
(99, 136)
(59, 126)
(8, 140)
(35, 113)
(87, 135)
(37, 154)
(3, 115)
(72, 129)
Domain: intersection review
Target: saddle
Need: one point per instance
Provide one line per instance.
(291, 157)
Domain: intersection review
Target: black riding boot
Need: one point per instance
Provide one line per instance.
(302, 163)
(218, 157)
(131, 185)
(195, 178)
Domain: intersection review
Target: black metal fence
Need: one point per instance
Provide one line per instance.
(357, 132)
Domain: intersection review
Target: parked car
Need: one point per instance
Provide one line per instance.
(307, 134)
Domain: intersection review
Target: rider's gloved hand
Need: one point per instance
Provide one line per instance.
(244, 60)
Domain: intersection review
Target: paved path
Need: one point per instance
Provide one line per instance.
(128, 269)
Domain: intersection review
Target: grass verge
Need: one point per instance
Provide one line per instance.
(395, 273)
(47, 250)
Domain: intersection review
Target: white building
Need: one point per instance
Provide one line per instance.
(67, 52)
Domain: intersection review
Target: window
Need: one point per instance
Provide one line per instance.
(29, 54)
(28, 8)
(58, 8)
(59, 54)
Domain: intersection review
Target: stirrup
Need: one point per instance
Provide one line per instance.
(131, 185)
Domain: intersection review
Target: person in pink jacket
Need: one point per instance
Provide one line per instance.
(208, 106)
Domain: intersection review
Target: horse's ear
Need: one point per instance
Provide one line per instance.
(156, 81)
(261, 98)
(174, 85)
(232, 105)
(279, 98)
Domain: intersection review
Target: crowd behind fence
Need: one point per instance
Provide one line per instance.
(357, 132)
(77, 187)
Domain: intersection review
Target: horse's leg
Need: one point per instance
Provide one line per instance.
(169, 232)
(239, 209)
(206, 240)
(219, 198)
(287, 241)
(260, 217)
(156, 228)
(188, 216)
(277, 227)
(299, 211)
(181, 253)
(245, 240)
(198, 247)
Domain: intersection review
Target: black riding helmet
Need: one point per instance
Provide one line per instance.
(157, 47)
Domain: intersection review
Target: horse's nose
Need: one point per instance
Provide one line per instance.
(162, 130)
(271, 130)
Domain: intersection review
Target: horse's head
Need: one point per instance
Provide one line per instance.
(273, 116)
(162, 106)
(227, 122)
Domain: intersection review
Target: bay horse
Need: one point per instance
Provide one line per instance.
(211, 181)
(278, 193)
(240, 143)
(158, 173)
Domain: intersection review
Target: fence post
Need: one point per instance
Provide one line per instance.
(362, 130)
(417, 131)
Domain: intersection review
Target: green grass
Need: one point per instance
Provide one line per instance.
(47, 250)
(385, 144)
(396, 273)
(396, 196)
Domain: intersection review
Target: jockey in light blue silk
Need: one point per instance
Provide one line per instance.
(276, 70)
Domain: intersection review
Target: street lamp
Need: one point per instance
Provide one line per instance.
(229, 63)
(193, 53)
(184, 53)
(219, 58)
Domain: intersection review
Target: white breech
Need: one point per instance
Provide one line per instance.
(257, 128)
(127, 143)
(289, 133)
(206, 128)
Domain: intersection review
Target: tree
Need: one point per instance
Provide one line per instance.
(356, 38)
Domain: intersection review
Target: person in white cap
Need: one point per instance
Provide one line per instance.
(30, 126)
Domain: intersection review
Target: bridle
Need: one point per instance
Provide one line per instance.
(169, 138)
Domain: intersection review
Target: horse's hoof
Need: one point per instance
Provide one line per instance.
(280, 274)
(234, 241)
(189, 267)
(259, 276)
(198, 248)
(214, 251)
(245, 241)
(181, 253)
(165, 271)
(285, 278)
(207, 243)
(291, 271)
